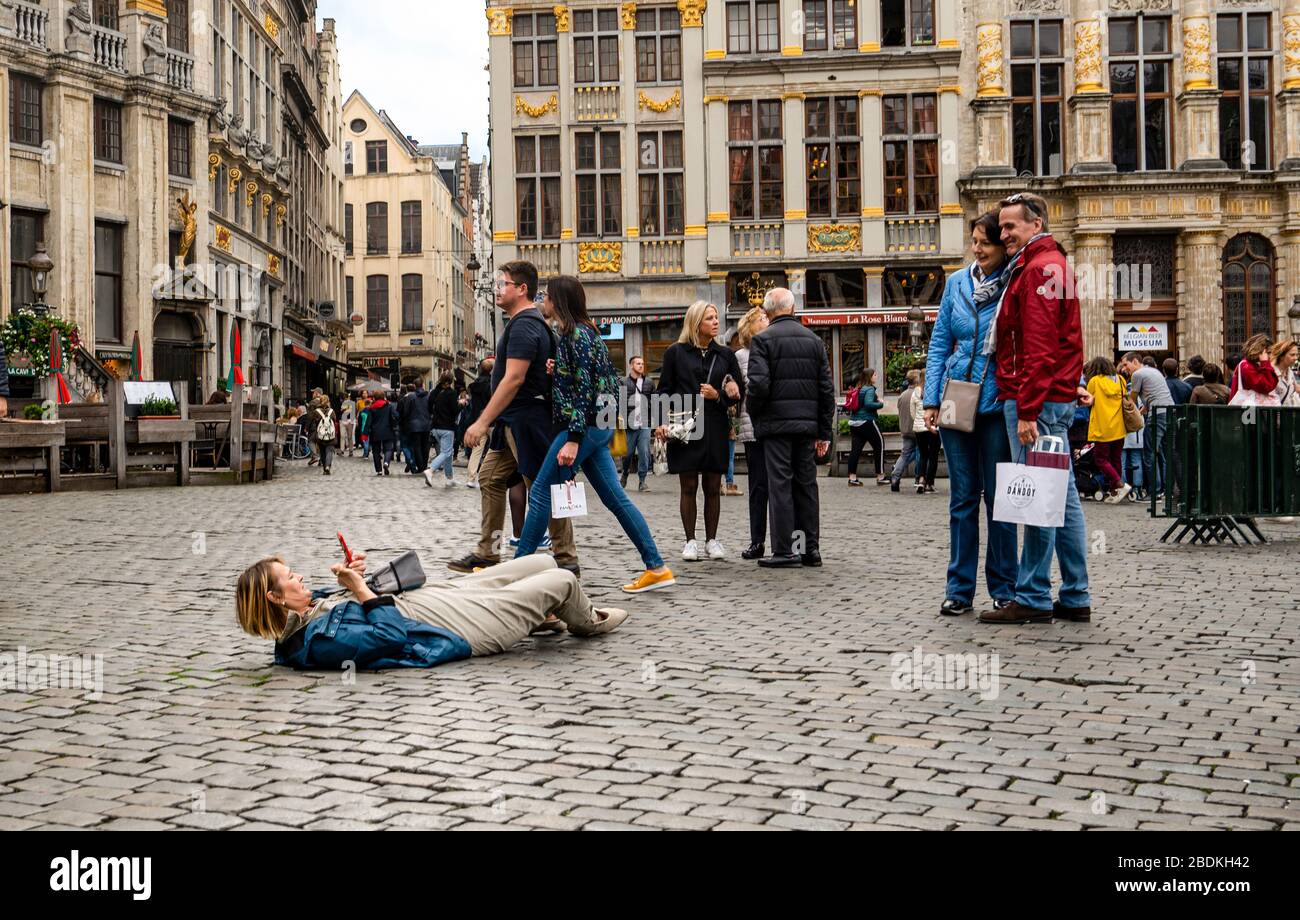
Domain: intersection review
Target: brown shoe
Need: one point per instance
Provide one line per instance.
(1073, 614)
(1014, 613)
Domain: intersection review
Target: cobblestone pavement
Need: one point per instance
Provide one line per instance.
(738, 699)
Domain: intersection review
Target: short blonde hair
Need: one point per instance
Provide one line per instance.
(745, 331)
(257, 614)
(1281, 348)
(691, 325)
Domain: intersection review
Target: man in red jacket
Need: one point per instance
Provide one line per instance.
(1038, 338)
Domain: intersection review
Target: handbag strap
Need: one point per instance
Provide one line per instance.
(975, 342)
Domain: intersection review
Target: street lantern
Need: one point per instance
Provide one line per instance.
(1294, 316)
(40, 265)
(916, 324)
(473, 265)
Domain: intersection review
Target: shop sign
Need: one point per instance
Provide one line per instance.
(1143, 336)
(879, 318)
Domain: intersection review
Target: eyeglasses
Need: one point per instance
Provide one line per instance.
(502, 285)
(1022, 199)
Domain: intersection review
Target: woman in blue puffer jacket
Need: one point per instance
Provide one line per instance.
(971, 300)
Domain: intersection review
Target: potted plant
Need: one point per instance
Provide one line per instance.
(156, 407)
(159, 422)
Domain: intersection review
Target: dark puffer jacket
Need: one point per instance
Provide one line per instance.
(791, 393)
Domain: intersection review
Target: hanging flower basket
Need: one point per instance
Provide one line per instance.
(26, 338)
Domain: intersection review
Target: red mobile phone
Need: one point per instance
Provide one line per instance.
(347, 553)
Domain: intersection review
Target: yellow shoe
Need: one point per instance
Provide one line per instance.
(649, 581)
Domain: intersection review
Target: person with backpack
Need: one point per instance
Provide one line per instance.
(862, 403)
(322, 428)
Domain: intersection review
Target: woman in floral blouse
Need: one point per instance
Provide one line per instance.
(584, 398)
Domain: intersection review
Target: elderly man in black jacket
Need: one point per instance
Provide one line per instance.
(791, 401)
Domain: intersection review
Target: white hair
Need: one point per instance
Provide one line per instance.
(778, 301)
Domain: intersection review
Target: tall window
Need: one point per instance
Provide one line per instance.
(26, 229)
(347, 229)
(911, 154)
(658, 45)
(376, 157)
(178, 25)
(412, 303)
(830, 25)
(834, 162)
(906, 22)
(595, 46)
(377, 303)
(347, 158)
(377, 228)
(108, 131)
(660, 181)
(180, 147)
(536, 53)
(1246, 80)
(412, 219)
(108, 282)
(600, 183)
(220, 197)
(755, 160)
(753, 26)
(537, 187)
(1140, 62)
(1248, 291)
(350, 294)
(1036, 74)
(105, 13)
(25, 111)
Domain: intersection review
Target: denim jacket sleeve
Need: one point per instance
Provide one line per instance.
(363, 634)
(941, 346)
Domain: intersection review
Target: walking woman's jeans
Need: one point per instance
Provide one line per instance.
(595, 461)
(444, 438)
(973, 474)
(1069, 543)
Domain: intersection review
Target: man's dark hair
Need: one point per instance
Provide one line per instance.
(1170, 367)
(1212, 373)
(1196, 364)
(1149, 361)
(1131, 356)
(634, 358)
(522, 273)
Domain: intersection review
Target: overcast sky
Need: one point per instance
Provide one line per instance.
(421, 60)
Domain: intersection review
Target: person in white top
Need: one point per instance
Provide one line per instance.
(1284, 355)
(927, 441)
(348, 427)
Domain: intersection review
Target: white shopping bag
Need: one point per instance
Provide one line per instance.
(568, 500)
(1031, 495)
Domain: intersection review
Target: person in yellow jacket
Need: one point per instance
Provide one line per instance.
(1106, 425)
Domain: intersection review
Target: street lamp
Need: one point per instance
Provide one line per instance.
(40, 265)
(1294, 316)
(916, 324)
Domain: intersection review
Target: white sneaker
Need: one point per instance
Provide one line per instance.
(691, 551)
(715, 550)
(449, 483)
(1120, 494)
(471, 485)
(428, 478)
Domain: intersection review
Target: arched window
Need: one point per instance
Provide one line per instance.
(1248, 294)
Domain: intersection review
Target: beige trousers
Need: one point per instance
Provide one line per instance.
(495, 608)
(476, 460)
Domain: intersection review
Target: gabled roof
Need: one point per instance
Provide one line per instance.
(411, 149)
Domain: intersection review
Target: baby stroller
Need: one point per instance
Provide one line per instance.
(1088, 478)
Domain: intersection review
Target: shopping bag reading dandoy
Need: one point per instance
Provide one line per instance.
(1034, 492)
(568, 500)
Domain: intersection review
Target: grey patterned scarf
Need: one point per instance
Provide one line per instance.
(1004, 279)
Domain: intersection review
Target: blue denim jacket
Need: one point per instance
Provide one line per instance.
(372, 636)
(954, 337)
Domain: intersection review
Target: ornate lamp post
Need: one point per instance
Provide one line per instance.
(41, 265)
(1294, 316)
(916, 324)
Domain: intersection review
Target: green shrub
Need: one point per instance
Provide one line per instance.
(33, 412)
(889, 423)
(897, 365)
(156, 405)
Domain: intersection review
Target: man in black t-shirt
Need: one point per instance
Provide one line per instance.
(521, 408)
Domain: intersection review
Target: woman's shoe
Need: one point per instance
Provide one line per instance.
(609, 620)
(715, 550)
(920, 489)
(552, 624)
(649, 581)
(691, 551)
(883, 481)
(755, 551)
(855, 482)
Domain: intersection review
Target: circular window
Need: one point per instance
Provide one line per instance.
(358, 125)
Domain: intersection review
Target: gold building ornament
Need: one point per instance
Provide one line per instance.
(629, 15)
(273, 264)
(645, 102)
(223, 239)
(537, 111)
(1087, 56)
(834, 238)
(561, 18)
(252, 193)
(600, 257)
(235, 175)
(1196, 53)
(214, 164)
(272, 27)
(1291, 52)
(280, 211)
(189, 223)
(266, 204)
(499, 20)
(692, 13)
(988, 51)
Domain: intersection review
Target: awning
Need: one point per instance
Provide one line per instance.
(300, 352)
(861, 318)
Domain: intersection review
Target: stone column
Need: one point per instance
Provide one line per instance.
(1289, 98)
(503, 150)
(712, 19)
(951, 226)
(70, 226)
(713, 159)
(992, 104)
(1287, 281)
(631, 151)
(1090, 103)
(1198, 103)
(796, 189)
(1091, 256)
(692, 109)
(1200, 326)
(873, 173)
(868, 27)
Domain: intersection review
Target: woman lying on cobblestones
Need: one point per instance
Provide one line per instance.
(480, 614)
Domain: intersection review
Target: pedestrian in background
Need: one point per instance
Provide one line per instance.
(1196, 371)
(1213, 392)
(1151, 387)
(1284, 355)
(909, 455)
(864, 427)
(753, 322)
(383, 429)
(1179, 389)
(443, 407)
(927, 441)
(1106, 428)
(322, 428)
(480, 392)
(348, 426)
(639, 390)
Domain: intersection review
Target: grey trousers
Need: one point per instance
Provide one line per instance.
(495, 608)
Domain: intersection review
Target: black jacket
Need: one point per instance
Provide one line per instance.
(647, 391)
(383, 422)
(480, 394)
(791, 393)
(444, 406)
(413, 411)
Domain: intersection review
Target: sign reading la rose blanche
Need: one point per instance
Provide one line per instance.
(1143, 336)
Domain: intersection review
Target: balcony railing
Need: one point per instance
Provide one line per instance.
(757, 241)
(110, 49)
(663, 257)
(180, 70)
(595, 103)
(31, 24)
(912, 234)
(546, 256)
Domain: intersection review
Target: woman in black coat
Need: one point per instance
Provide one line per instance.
(383, 428)
(700, 372)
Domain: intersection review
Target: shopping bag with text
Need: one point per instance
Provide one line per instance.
(568, 500)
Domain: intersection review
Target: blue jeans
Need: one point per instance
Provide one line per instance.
(973, 474)
(731, 463)
(638, 445)
(1069, 542)
(444, 439)
(1153, 460)
(905, 459)
(1133, 467)
(595, 461)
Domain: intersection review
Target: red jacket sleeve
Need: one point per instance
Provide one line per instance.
(1261, 378)
(1040, 328)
